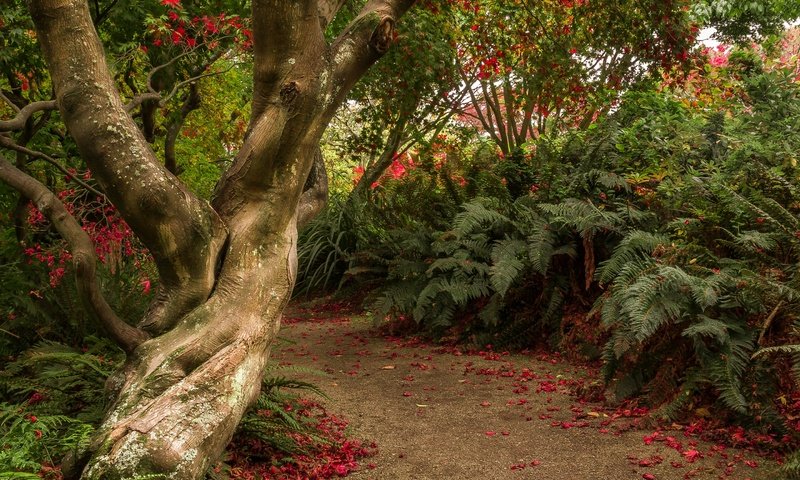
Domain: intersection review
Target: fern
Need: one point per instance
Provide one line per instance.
(636, 246)
(791, 466)
(479, 214)
(270, 421)
(506, 264)
(727, 368)
(708, 327)
(785, 349)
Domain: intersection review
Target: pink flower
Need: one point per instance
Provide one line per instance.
(145, 286)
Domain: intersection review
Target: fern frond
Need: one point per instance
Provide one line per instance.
(708, 327)
(635, 247)
(793, 349)
(477, 215)
(506, 264)
(727, 369)
(541, 248)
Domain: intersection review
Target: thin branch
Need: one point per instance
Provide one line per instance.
(9, 102)
(191, 103)
(102, 16)
(7, 143)
(18, 122)
(192, 80)
(83, 254)
(140, 99)
(768, 322)
(174, 59)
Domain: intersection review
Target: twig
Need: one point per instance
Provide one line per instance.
(7, 143)
(139, 99)
(175, 59)
(9, 102)
(6, 331)
(768, 322)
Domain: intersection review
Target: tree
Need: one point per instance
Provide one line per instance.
(227, 266)
(545, 67)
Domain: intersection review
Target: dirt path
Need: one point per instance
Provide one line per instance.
(442, 414)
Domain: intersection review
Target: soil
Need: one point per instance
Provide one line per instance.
(440, 413)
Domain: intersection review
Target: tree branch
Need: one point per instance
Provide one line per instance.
(282, 33)
(140, 99)
(9, 102)
(315, 192)
(7, 143)
(191, 103)
(182, 232)
(18, 122)
(328, 10)
(83, 255)
(362, 43)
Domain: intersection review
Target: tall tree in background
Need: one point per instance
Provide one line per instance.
(226, 267)
(543, 67)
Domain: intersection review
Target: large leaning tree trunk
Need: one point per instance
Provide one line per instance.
(195, 361)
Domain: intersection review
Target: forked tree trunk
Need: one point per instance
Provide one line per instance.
(182, 394)
(227, 268)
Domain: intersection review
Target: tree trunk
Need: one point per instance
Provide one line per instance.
(182, 395)
(227, 268)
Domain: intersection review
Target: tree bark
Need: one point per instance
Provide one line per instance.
(227, 268)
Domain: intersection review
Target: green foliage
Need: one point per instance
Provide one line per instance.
(51, 403)
(270, 421)
(686, 202)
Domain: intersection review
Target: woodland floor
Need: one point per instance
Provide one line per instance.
(439, 413)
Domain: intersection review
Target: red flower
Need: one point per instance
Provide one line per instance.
(397, 169)
(171, 3)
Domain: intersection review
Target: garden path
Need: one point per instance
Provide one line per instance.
(440, 413)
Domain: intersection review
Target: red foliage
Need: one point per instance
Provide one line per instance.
(113, 239)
